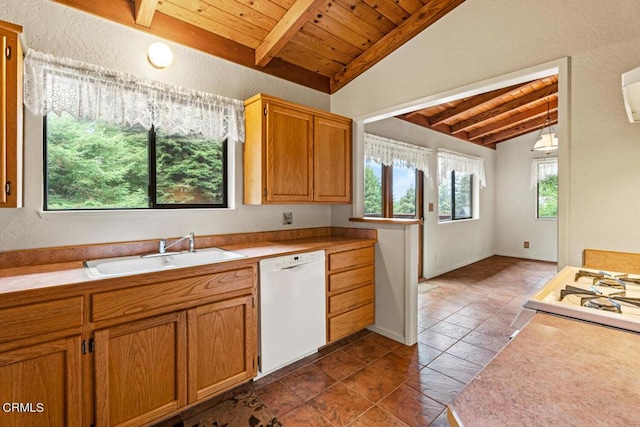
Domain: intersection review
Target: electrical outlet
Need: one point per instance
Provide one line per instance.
(287, 218)
(526, 245)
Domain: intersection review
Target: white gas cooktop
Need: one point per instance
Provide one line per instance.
(597, 296)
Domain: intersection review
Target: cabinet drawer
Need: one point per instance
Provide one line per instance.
(171, 295)
(351, 299)
(353, 258)
(41, 318)
(347, 279)
(351, 321)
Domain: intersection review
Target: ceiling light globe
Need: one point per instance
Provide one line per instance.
(160, 55)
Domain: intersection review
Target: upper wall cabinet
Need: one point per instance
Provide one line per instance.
(295, 154)
(10, 116)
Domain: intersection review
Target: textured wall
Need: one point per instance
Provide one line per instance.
(66, 32)
(516, 204)
(484, 39)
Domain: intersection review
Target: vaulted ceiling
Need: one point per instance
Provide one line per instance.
(321, 44)
(493, 117)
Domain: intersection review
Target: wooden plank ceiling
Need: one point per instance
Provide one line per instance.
(322, 44)
(493, 117)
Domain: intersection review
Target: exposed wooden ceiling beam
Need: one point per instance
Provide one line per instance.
(526, 127)
(421, 120)
(285, 29)
(515, 119)
(503, 108)
(423, 18)
(470, 103)
(144, 11)
(164, 26)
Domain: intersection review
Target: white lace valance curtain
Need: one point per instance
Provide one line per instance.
(542, 169)
(451, 161)
(94, 93)
(389, 151)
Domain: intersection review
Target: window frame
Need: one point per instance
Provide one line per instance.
(454, 216)
(386, 195)
(151, 180)
(537, 216)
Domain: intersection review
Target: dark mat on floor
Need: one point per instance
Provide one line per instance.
(245, 409)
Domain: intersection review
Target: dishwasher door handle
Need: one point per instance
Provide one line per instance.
(292, 268)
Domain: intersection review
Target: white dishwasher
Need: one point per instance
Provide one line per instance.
(292, 309)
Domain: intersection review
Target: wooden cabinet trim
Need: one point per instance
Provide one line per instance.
(168, 296)
(30, 320)
(351, 321)
(350, 259)
(349, 279)
(11, 71)
(350, 300)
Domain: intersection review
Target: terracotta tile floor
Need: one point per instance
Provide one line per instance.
(369, 380)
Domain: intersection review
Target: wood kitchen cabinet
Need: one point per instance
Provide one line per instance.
(45, 379)
(295, 154)
(140, 370)
(185, 340)
(222, 346)
(350, 291)
(10, 116)
(41, 363)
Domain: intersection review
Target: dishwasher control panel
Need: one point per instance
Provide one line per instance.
(290, 261)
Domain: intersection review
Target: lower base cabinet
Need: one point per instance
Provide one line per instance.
(222, 346)
(40, 385)
(140, 370)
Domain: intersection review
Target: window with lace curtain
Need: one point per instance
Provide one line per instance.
(457, 177)
(114, 141)
(393, 179)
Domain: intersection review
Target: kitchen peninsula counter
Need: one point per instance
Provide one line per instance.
(556, 371)
(39, 269)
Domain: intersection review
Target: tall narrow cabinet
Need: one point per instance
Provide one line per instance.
(10, 116)
(295, 154)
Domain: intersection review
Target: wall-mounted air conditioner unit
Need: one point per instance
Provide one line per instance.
(631, 94)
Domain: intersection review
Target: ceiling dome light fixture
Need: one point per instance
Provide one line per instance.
(160, 55)
(547, 141)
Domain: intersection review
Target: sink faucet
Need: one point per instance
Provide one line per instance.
(162, 247)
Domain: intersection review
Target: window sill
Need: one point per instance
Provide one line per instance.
(398, 221)
(124, 212)
(457, 221)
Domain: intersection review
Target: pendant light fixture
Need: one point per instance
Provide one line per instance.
(547, 141)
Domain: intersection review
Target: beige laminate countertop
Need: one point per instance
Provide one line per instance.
(557, 372)
(18, 279)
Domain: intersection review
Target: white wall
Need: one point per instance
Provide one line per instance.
(66, 32)
(516, 204)
(483, 39)
(448, 245)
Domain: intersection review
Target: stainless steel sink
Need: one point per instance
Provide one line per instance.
(122, 266)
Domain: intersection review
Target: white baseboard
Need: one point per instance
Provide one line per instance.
(459, 265)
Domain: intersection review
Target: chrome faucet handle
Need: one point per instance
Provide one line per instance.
(192, 242)
(162, 246)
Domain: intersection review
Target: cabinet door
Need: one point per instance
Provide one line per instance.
(10, 115)
(40, 385)
(222, 346)
(332, 161)
(289, 155)
(140, 370)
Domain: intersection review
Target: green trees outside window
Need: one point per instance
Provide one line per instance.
(547, 196)
(403, 192)
(93, 165)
